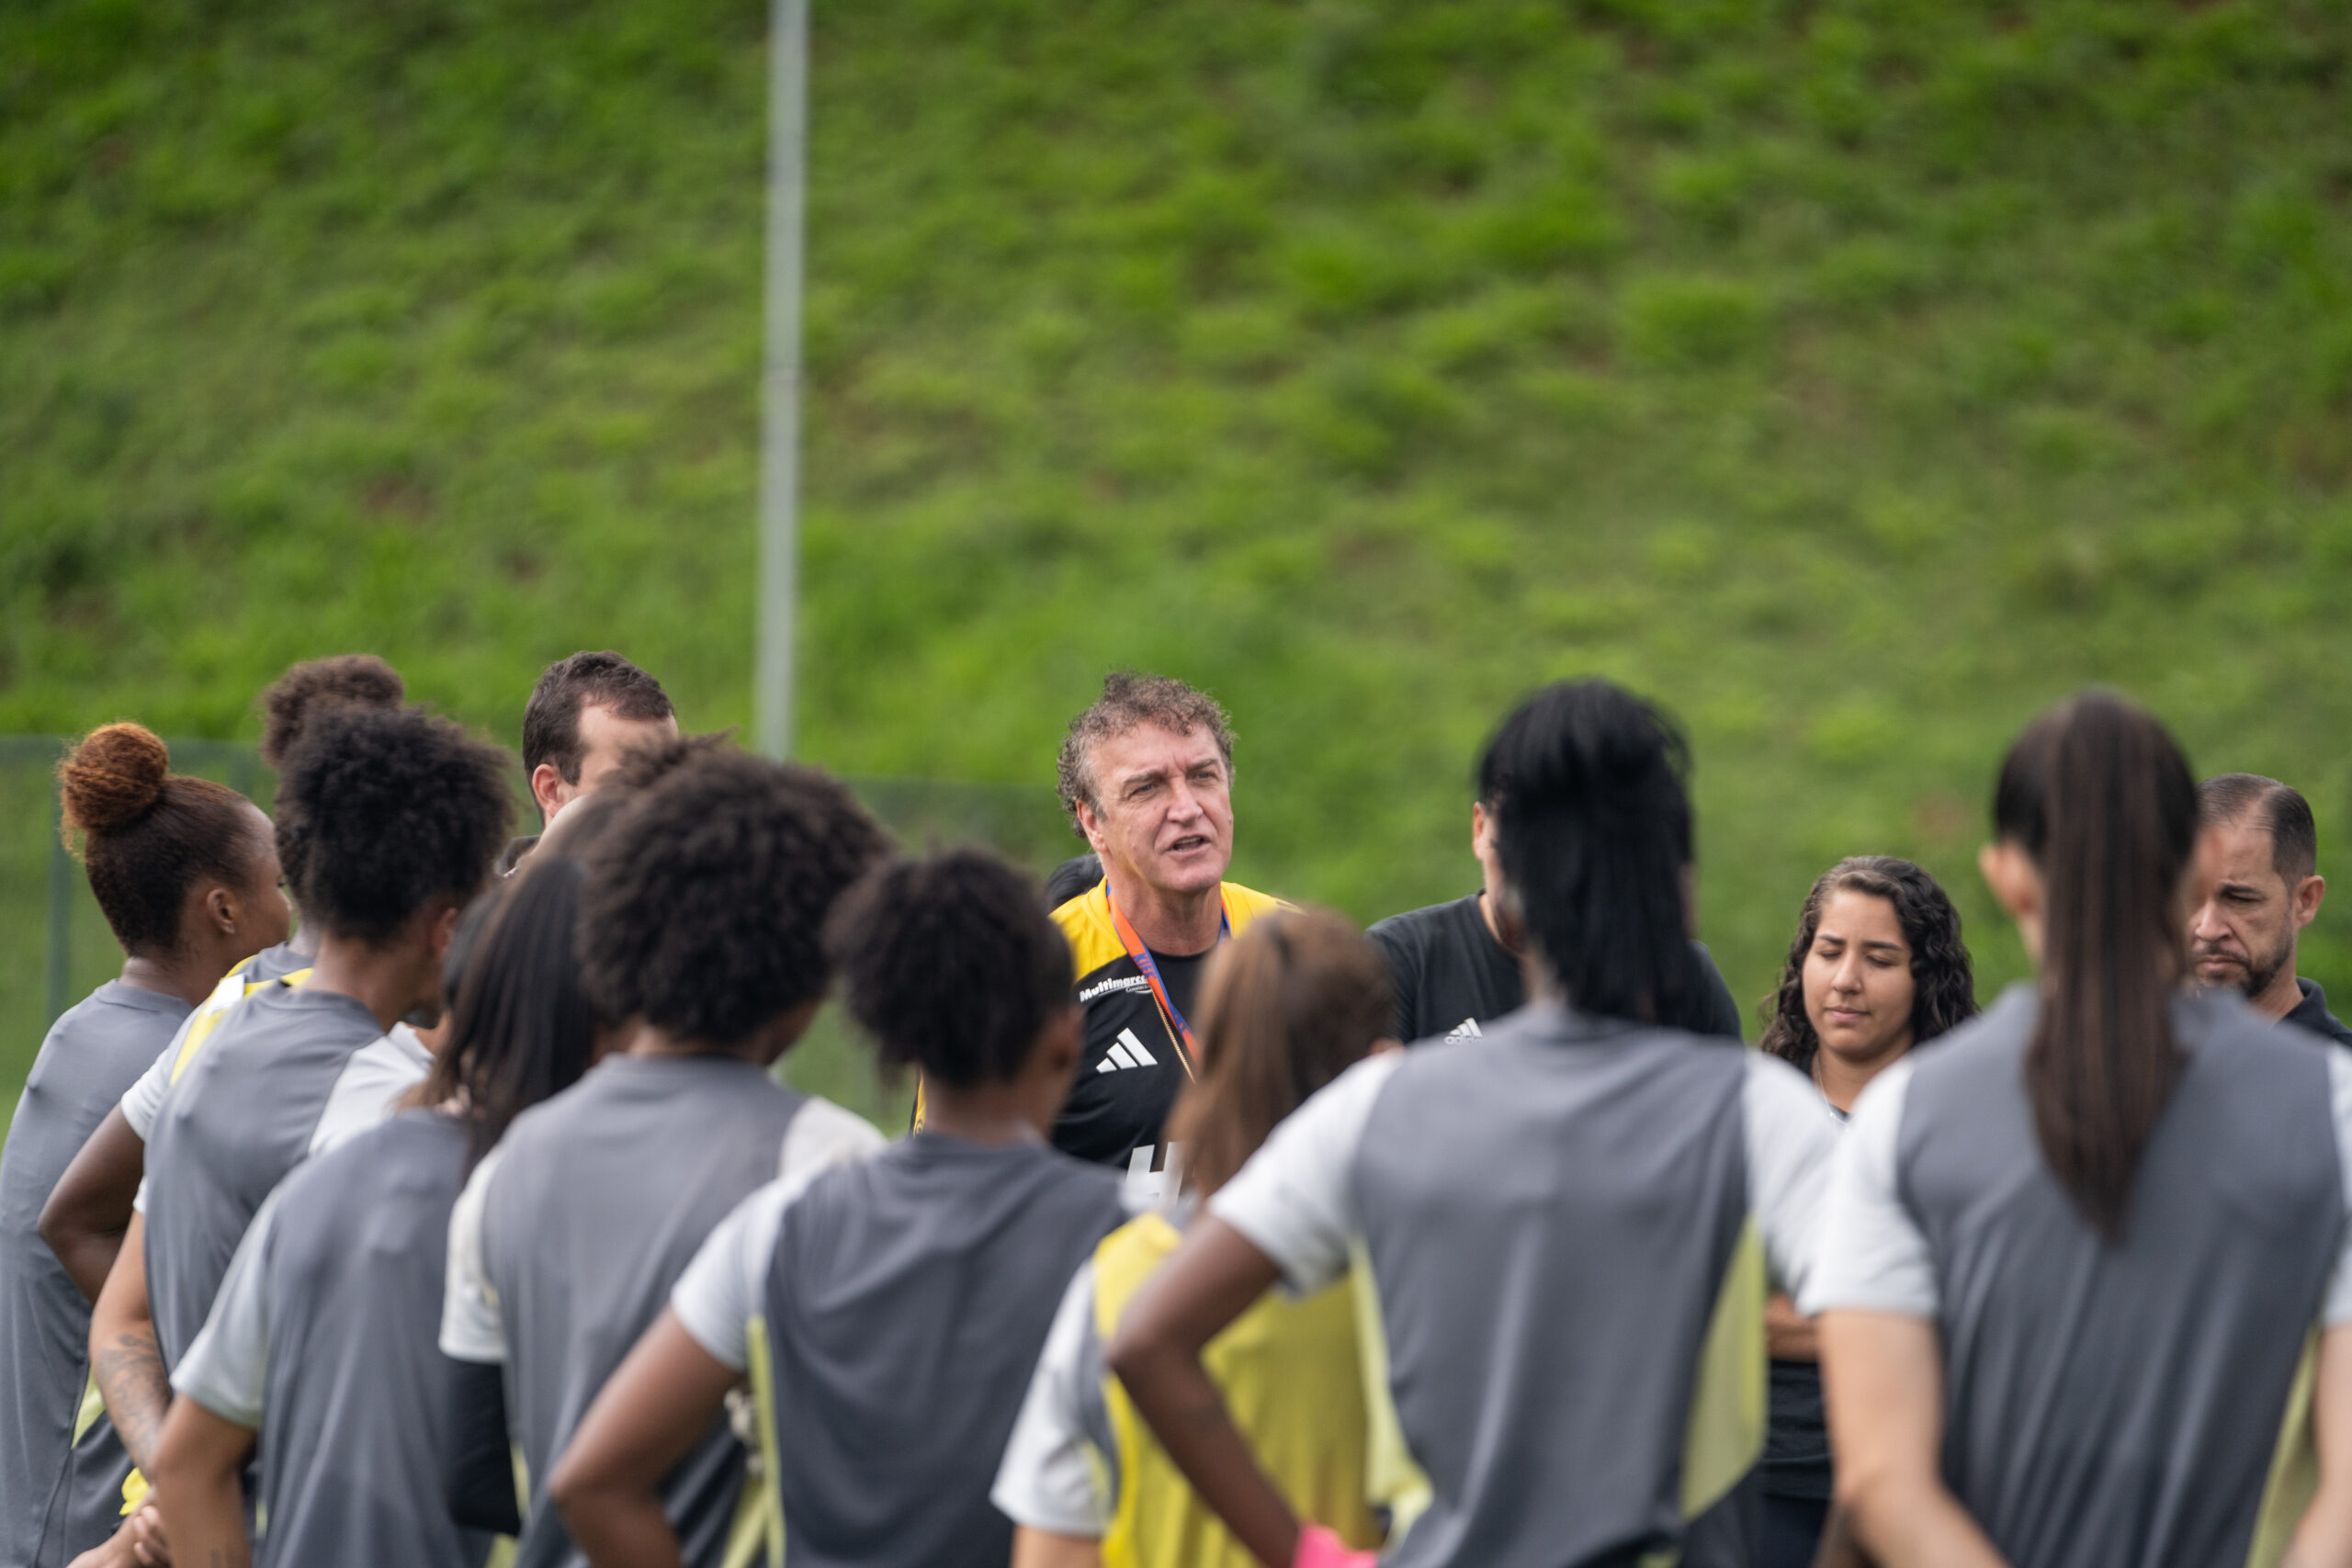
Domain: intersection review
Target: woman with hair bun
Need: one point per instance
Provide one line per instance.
(187, 875)
(2085, 1276)
(1876, 969)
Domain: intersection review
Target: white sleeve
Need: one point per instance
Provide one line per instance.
(1049, 1477)
(145, 1098)
(139, 1199)
(226, 1370)
(1791, 1133)
(472, 1329)
(371, 1085)
(1873, 1256)
(821, 1135)
(1294, 1199)
(2339, 1094)
(718, 1295)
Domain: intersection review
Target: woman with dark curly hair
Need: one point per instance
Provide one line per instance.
(1876, 969)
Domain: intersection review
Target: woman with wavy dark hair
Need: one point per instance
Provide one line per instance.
(1877, 967)
(2085, 1279)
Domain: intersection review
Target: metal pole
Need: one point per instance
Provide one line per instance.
(780, 380)
(61, 917)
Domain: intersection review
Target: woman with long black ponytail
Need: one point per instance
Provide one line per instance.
(2083, 1260)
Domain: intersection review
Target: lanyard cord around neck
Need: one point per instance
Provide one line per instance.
(1169, 1015)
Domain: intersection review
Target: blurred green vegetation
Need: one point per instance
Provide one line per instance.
(1854, 376)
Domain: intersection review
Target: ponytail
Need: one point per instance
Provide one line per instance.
(1294, 1002)
(2100, 796)
(1593, 828)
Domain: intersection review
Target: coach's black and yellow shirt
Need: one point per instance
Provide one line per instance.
(1132, 1065)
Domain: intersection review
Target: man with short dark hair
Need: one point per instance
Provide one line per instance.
(2267, 888)
(1146, 775)
(1456, 966)
(586, 715)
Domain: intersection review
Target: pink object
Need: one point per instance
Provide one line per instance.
(1318, 1548)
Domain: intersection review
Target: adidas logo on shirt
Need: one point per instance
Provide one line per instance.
(1127, 1051)
(1466, 1030)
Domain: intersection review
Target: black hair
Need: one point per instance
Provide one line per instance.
(1593, 828)
(521, 1025)
(2278, 809)
(706, 898)
(1075, 876)
(551, 719)
(1943, 993)
(952, 966)
(387, 810)
(2101, 798)
(360, 680)
(148, 834)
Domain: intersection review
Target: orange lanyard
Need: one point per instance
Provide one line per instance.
(1177, 1029)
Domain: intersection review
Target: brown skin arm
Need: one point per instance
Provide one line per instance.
(89, 1209)
(1044, 1548)
(1882, 1376)
(1787, 1336)
(662, 1398)
(2324, 1539)
(1210, 1280)
(124, 1356)
(198, 1487)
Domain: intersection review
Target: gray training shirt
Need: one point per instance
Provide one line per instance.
(286, 1074)
(61, 1480)
(569, 1243)
(2104, 1406)
(902, 1306)
(1552, 1215)
(322, 1341)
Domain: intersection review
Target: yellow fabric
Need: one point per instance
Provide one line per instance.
(134, 1492)
(233, 989)
(771, 1512)
(94, 1404)
(2294, 1466)
(1291, 1376)
(1094, 940)
(1725, 1437)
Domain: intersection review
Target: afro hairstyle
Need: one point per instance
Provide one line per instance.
(387, 809)
(705, 908)
(952, 965)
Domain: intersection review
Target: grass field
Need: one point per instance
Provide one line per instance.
(1854, 376)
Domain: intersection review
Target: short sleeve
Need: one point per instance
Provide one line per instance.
(1294, 1199)
(369, 1087)
(145, 1098)
(718, 1295)
(1051, 1477)
(2338, 1308)
(472, 1329)
(1873, 1256)
(226, 1370)
(1792, 1136)
(821, 1135)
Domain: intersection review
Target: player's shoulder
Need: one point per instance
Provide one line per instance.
(1087, 926)
(1243, 905)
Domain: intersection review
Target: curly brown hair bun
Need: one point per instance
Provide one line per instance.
(113, 778)
(149, 834)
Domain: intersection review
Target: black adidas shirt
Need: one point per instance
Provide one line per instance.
(2310, 1012)
(1131, 1067)
(1451, 976)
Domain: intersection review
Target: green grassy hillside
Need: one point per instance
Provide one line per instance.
(1855, 376)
